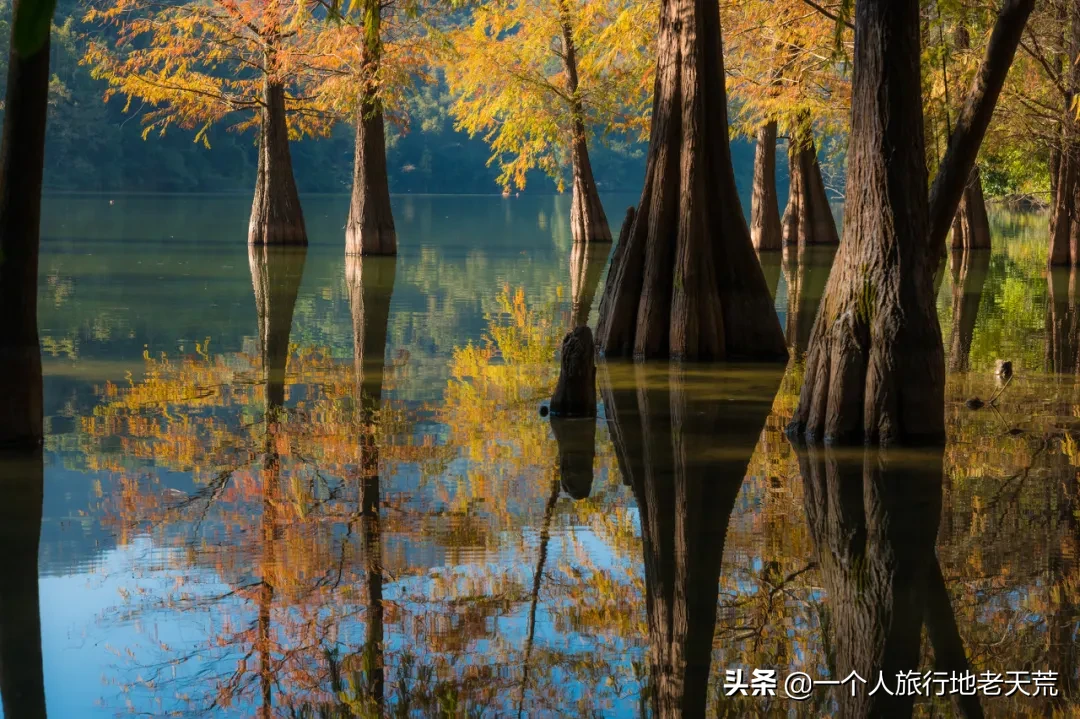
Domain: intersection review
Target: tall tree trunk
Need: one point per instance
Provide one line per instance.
(808, 219)
(22, 681)
(662, 432)
(688, 285)
(971, 226)
(22, 157)
(765, 233)
(370, 227)
(1065, 199)
(588, 223)
(276, 215)
(875, 370)
(969, 270)
(978, 109)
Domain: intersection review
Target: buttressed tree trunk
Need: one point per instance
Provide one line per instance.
(765, 231)
(808, 219)
(588, 223)
(969, 270)
(688, 284)
(971, 227)
(22, 681)
(370, 227)
(664, 426)
(1065, 199)
(276, 216)
(876, 371)
(22, 158)
(275, 274)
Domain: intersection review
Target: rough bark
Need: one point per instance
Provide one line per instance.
(971, 226)
(575, 393)
(276, 215)
(370, 227)
(765, 233)
(275, 274)
(22, 157)
(875, 371)
(974, 118)
(1063, 321)
(1065, 165)
(688, 284)
(22, 680)
(588, 223)
(805, 271)
(808, 219)
(664, 431)
(969, 270)
(587, 260)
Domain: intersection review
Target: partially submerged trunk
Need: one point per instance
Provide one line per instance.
(22, 158)
(971, 226)
(806, 272)
(969, 270)
(575, 393)
(1065, 161)
(587, 260)
(765, 231)
(688, 284)
(588, 223)
(664, 430)
(370, 227)
(808, 219)
(275, 274)
(876, 371)
(22, 679)
(276, 215)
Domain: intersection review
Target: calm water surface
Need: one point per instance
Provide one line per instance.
(292, 484)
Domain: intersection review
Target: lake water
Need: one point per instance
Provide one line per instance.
(288, 484)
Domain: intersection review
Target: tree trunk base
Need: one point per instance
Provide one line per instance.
(971, 227)
(370, 227)
(765, 229)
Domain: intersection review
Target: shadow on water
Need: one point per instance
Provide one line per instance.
(22, 682)
(969, 272)
(874, 517)
(664, 423)
(806, 271)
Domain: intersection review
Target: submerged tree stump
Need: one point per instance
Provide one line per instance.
(575, 394)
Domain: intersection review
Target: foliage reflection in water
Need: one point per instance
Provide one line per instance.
(321, 487)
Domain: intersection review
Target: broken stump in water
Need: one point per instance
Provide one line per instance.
(575, 394)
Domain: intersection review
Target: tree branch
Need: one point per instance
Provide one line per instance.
(975, 117)
(831, 15)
